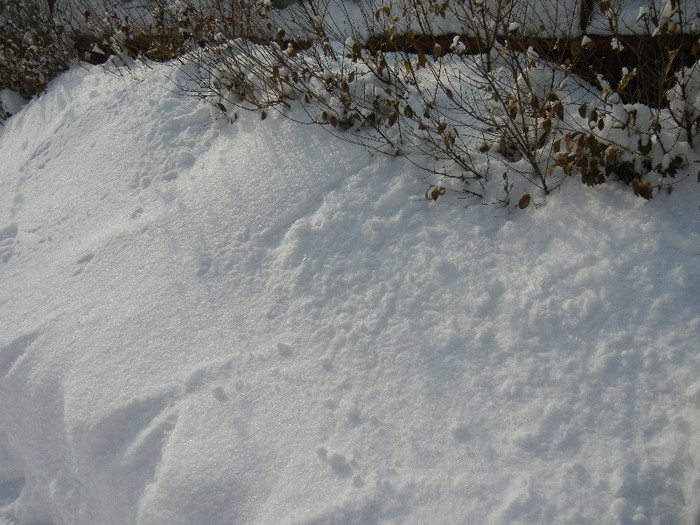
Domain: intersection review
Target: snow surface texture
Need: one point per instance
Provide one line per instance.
(259, 324)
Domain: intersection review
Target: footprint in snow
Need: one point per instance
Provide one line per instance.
(337, 461)
(8, 236)
(461, 433)
(204, 266)
(82, 263)
(284, 350)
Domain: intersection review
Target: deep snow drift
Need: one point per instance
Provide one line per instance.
(260, 324)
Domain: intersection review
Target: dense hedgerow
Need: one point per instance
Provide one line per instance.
(33, 49)
(524, 93)
(512, 95)
(39, 39)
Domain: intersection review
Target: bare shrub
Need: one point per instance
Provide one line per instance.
(33, 47)
(474, 93)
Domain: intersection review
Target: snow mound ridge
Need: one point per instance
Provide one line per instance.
(257, 324)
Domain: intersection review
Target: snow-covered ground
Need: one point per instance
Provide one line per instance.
(260, 324)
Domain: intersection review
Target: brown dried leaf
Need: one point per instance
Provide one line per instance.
(559, 110)
(547, 125)
(569, 143)
(356, 51)
(393, 117)
(436, 192)
(583, 165)
(643, 189)
(524, 201)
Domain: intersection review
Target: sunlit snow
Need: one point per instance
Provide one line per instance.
(260, 324)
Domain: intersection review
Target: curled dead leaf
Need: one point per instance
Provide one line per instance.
(524, 201)
(643, 189)
(393, 117)
(434, 192)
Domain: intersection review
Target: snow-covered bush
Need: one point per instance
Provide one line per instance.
(642, 122)
(39, 38)
(33, 47)
(357, 68)
(96, 30)
(475, 94)
(684, 102)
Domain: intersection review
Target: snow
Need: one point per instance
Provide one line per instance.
(10, 102)
(634, 16)
(258, 323)
(688, 83)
